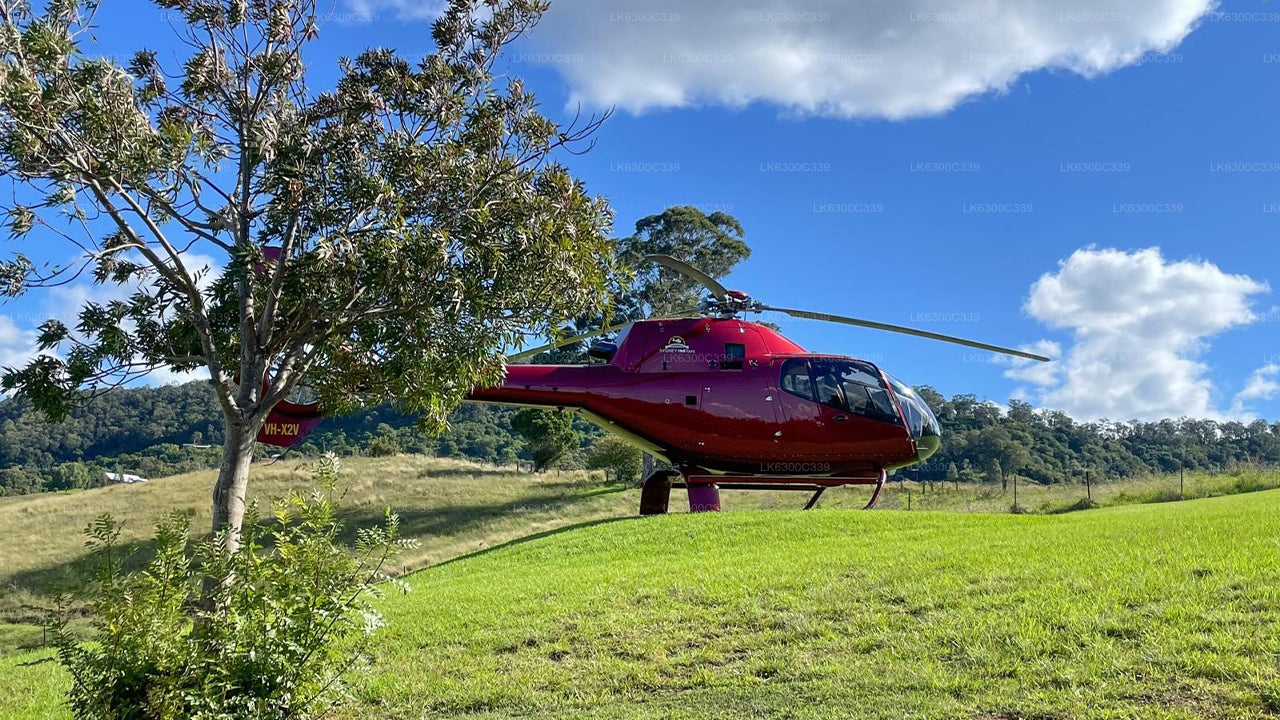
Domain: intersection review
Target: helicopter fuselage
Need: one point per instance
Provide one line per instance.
(724, 395)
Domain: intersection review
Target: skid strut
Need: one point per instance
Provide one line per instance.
(704, 490)
(817, 495)
(875, 494)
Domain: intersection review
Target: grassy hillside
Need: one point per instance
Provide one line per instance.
(455, 507)
(1165, 610)
(1156, 611)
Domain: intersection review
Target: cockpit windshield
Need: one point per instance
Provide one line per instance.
(920, 419)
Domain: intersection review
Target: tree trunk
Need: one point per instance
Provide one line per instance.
(233, 481)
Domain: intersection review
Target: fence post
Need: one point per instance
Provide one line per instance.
(1088, 489)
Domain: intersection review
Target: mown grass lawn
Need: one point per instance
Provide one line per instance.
(1152, 611)
(1164, 610)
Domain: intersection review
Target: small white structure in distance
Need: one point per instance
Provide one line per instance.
(125, 478)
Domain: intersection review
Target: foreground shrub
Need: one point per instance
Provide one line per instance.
(267, 632)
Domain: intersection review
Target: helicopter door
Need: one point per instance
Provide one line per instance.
(740, 413)
(833, 403)
(855, 408)
(804, 424)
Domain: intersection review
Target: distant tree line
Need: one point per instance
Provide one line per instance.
(984, 442)
(155, 432)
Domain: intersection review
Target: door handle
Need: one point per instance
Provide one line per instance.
(840, 418)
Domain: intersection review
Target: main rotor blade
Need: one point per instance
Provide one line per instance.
(690, 272)
(905, 330)
(526, 354)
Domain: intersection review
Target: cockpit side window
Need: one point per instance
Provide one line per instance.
(854, 386)
(795, 378)
(844, 385)
(866, 391)
(826, 384)
(828, 387)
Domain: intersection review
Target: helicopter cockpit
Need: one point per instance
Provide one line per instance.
(860, 388)
(853, 386)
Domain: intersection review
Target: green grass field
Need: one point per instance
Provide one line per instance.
(452, 507)
(1151, 610)
(455, 507)
(1145, 611)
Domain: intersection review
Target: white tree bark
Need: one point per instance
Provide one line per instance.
(233, 481)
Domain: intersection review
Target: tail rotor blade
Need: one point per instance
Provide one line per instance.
(827, 317)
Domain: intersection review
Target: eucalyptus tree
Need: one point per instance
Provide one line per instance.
(711, 242)
(380, 239)
(549, 434)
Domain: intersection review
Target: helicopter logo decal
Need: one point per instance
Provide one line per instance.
(677, 344)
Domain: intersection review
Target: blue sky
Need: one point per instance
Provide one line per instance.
(936, 190)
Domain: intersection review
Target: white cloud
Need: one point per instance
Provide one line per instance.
(1034, 371)
(1263, 384)
(365, 11)
(1139, 324)
(17, 346)
(890, 59)
(64, 302)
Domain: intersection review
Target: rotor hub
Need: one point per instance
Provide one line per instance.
(732, 303)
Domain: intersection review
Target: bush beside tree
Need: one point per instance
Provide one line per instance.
(276, 644)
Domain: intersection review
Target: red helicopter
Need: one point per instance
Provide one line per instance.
(733, 404)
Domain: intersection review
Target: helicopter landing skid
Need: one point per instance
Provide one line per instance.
(704, 490)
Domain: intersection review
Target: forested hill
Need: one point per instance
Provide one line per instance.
(159, 431)
(152, 431)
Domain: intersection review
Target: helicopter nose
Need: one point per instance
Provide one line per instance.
(921, 422)
(927, 446)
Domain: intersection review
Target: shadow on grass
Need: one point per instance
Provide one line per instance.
(530, 538)
(1081, 504)
(454, 519)
(69, 576)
